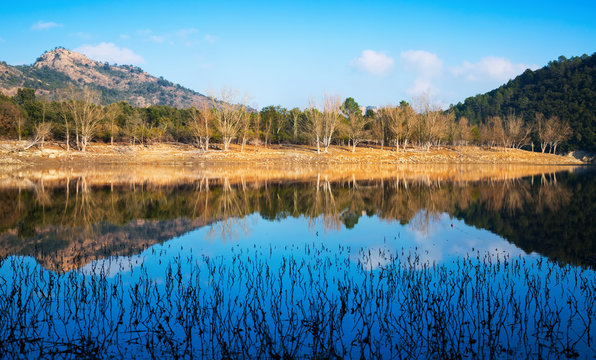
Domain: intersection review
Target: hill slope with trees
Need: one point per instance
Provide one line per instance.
(565, 88)
(55, 70)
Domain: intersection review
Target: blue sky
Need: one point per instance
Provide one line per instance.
(284, 53)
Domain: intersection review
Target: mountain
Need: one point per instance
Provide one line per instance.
(565, 88)
(56, 69)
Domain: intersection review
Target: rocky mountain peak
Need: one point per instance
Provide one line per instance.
(60, 67)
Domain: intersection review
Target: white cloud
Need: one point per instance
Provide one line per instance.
(124, 36)
(422, 86)
(45, 25)
(490, 68)
(210, 38)
(183, 33)
(426, 67)
(375, 63)
(424, 63)
(110, 53)
(82, 35)
(157, 39)
(2, 40)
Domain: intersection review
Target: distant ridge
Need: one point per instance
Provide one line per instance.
(56, 69)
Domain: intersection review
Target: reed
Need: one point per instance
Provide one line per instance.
(311, 302)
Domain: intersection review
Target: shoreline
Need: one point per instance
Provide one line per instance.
(55, 154)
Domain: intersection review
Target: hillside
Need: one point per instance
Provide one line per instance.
(565, 88)
(57, 68)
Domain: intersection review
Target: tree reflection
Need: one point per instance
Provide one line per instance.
(77, 221)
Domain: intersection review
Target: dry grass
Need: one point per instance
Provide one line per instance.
(278, 154)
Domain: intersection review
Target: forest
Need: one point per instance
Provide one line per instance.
(565, 89)
(78, 119)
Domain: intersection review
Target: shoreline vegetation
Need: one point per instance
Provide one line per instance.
(225, 129)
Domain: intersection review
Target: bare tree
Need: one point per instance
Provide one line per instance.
(281, 123)
(112, 112)
(562, 132)
(295, 116)
(421, 123)
(245, 124)
(267, 125)
(355, 128)
(86, 113)
(543, 131)
(517, 132)
(438, 124)
(201, 120)
(42, 131)
(492, 132)
(431, 125)
(65, 112)
(399, 122)
(379, 128)
(394, 119)
(408, 117)
(228, 116)
(463, 132)
(551, 132)
(331, 115)
(134, 127)
(314, 126)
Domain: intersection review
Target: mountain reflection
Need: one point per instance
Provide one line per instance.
(68, 221)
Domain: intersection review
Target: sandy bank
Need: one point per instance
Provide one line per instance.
(55, 154)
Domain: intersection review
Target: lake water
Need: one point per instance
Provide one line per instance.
(403, 265)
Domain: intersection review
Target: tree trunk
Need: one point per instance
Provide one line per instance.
(67, 138)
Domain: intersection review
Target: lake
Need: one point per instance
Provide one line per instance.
(442, 261)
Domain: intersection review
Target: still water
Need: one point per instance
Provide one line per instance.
(397, 266)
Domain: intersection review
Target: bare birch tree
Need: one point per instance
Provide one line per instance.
(245, 124)
(42, 131)
(331, 116)
(295, 116)
(112, 112)
(546, 130)
(463, 132)
(314, 125)
(355, 128)
(379, 128)
(493, 132)
(517, 132)
(86, 112)
(561, 132)
(201, 117)
(227, 116)
(393, 118)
